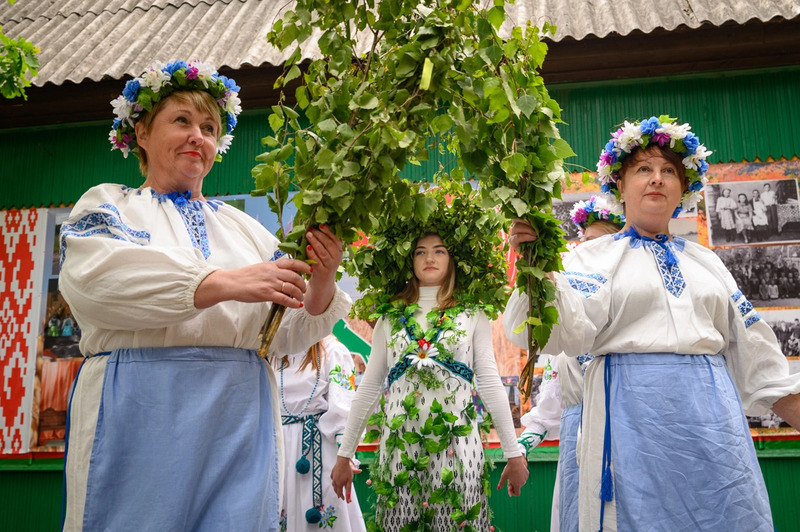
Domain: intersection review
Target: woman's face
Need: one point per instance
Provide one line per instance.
(756, 194)
(431, 261)
(651, 188)
(742, 198)
(181, 146)
(726, 192)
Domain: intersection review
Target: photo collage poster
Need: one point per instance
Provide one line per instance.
(58, 358)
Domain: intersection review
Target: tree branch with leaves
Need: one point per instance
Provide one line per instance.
(394, 81)
(18, 61)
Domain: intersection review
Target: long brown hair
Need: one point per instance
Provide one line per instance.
(445, 297)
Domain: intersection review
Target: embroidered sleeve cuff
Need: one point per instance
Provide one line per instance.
(529, 440)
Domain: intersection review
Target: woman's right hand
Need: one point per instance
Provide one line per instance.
(342, 478)
(520, 232)
(276, 281)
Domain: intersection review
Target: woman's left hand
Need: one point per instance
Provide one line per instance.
(325, 249)
(516, 473)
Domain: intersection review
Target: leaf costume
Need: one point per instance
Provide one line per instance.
(431, 469)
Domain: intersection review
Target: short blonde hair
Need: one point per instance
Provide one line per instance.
(202, 101)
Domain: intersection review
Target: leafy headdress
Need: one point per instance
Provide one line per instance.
(472, 235)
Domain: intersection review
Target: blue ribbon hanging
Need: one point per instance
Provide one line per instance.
(312, 444)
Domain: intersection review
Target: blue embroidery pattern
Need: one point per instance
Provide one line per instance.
(745, 308)
(101, 223)
(454, 366)
(584, 360)
(663, 250)
(278, 254)
(585, 283)
(192, 213)
(670, 273)
(751, 320)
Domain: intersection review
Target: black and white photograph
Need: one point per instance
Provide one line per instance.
(768, 276)
(684, 227)
(752, 212)
(785, 323)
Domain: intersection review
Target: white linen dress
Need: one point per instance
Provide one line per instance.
(557, 415)
(326, 400)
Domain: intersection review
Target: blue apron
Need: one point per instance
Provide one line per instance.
(683, 457)
(185, 440)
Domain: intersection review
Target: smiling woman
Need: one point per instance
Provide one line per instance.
(184, 128)
(171, 290)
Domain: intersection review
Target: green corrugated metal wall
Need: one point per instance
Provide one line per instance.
(744, 116)
(31, 500)
(741, 116)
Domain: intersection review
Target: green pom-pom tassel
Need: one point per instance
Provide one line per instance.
(313, 515)
(303, 466)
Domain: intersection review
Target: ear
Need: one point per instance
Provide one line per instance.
(141, 134)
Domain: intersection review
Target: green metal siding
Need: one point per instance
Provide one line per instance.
(30, 492)
(741, 116)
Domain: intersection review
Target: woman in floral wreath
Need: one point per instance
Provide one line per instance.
(557, 412)
(431, 473)
(173, 417)
(681, 354)
(316, 388)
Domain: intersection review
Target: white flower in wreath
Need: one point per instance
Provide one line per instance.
(630, 136)
(423, 356)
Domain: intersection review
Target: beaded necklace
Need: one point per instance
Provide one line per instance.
(310, 397)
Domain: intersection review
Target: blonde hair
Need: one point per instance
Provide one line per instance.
(202, 101)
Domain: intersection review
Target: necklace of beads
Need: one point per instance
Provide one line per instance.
(310, 397)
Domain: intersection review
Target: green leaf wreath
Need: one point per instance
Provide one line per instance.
(395, 81)
(471, 233)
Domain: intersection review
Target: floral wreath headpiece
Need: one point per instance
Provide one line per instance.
(663, 131)
(585, 213)
(158, 82)
(472, 234)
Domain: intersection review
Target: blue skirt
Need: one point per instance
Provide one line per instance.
(683, 457)
(568, 469)
(184, 440)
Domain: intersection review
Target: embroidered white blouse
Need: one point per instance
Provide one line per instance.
(622, 294)
(132, 260)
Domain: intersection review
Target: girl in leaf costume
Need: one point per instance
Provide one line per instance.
(430, 345)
